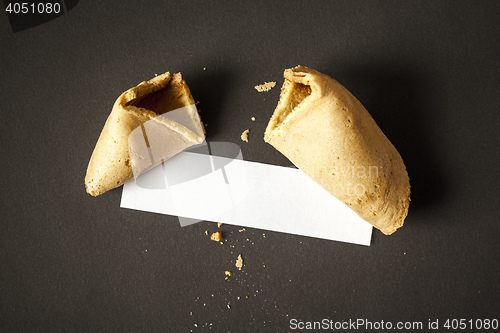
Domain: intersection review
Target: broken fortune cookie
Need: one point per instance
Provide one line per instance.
(148, 124)
(326, 132)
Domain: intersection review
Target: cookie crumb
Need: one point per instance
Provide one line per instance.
(253, 118)
(228, 273)
(266, 86)
(244, 135)
(219, 225)
(206, 232)
(239, 262)
(216, 236)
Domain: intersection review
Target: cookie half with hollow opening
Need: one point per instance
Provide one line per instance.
(326, 132)
(148, 124)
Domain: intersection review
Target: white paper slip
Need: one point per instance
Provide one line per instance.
(247, 194)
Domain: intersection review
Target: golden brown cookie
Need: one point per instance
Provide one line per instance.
(326, 132)
(148, 124)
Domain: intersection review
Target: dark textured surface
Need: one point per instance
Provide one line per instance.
(427, 71)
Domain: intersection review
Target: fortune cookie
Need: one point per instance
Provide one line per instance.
(148, 124)
(326, 132)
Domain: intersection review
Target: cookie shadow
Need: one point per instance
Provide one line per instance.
(398, 100)
(209, 90)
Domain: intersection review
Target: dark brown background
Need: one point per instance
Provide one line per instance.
(428, 71)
